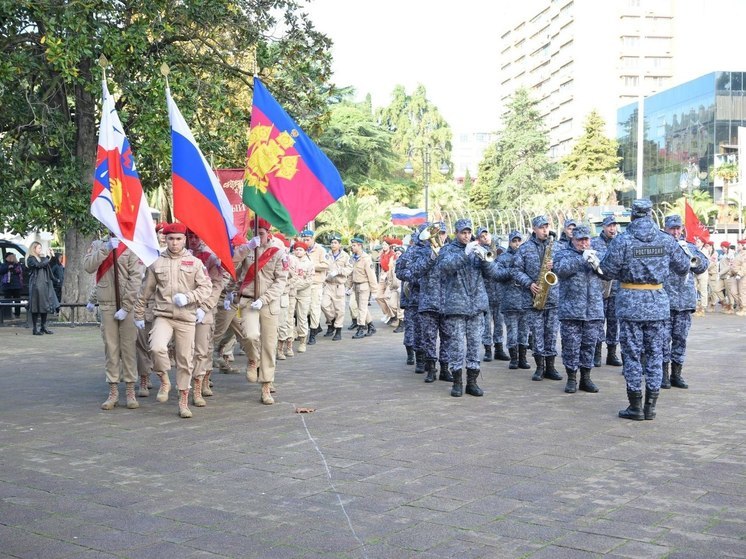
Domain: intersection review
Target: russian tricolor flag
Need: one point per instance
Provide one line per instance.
(408, 217)
(117, 199)
(199, 201)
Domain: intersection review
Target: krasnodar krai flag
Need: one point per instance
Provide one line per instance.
(117, 199)
(199, 201)
(289, 180)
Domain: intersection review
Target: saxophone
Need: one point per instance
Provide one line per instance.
(546, 278)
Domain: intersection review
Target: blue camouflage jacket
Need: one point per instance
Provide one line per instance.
(580, 288)
(463, 283)
(426, 273)
(494, 288)
(682, 293)
(601, 244)
(526, 267)
(410, 292)
(510, 291)
(643, 255)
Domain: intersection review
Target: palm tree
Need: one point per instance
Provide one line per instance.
(352, 215)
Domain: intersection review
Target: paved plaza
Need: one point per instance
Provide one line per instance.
(386, 467)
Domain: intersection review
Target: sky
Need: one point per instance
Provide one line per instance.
(379, 44)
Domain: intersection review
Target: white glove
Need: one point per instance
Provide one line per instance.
(253, 243)
(90, 307)
(258, 304)
(683, 243)
(139, 324)
(227, 304)
(348, 291)
(229, 296)
(200, 316)
(332, 274)
(121, 314)
(180, 300)
(113, 243)
(471, 246)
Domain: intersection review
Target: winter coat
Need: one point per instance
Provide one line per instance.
(464, 293)
(682, 292)
(526, 268)
(43, 299)
(580, 288)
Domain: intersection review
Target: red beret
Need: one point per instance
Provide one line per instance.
(395, 241)
(174, 228)
(160, 225)
(387, 240)
(284, 239)
(300, 244)
(742, 241)
(725, 244)
(263, 224)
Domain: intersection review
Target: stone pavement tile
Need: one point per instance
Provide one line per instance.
(422, 536)
(437, 503)
(585, 541)
(13, 514)
(635, 515)
(461, 519)
(531, 532)
(198, 515)
(495, 505)
(502, 546)
(728, 529)
(230, 545)
(161, 550)
(641, 550)
(643, 531)
(557, 552)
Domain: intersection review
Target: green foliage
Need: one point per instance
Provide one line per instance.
(593, 154)
(516, 166)
(583, 191)
(700, 201)
(357, 215)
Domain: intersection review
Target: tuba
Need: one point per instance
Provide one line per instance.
(432, 234)
(546, 279)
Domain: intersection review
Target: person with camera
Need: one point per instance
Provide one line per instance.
(42, 298)
(11, 276)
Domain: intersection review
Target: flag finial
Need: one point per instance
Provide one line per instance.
(103, 61)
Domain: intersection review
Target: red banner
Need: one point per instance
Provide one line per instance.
(232, 182)
(694, 229)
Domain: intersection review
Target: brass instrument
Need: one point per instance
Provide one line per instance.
(432, 234)
(693, 260)
(484, 253)
(546, 279)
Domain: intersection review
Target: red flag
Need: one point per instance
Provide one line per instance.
(694, 229)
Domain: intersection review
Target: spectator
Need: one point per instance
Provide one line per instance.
(11, 278)
(42, 298)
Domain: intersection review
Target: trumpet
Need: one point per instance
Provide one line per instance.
(484, 253)
(693, 260)
(432, 234)
(591, 256)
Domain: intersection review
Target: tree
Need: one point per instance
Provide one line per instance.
(50, 90)
(594, 153)
(516, 166)
(357, 215)
(580, 192)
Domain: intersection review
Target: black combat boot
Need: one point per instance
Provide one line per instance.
(312, 336)
(597, 355)
(430, 370)
(458, 383)
(329, 331)
(539, 372)
(666, 380)
(651, 398)
(419, 367)
(500, 354)
(445, 373)
(586, 384)
(513, 358)
(371, 329)
(549, 371)
(522, 361)
(676, 379)
(530, 341)
(44, 330)
(571, 386)
(410, 354)
(611, 356)
(337, 334)
(399, 327)
(472, 387)
(487, 353)
(634, 410)
(360, 333)
(353, 325)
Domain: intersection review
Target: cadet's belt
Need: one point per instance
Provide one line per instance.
(641, 286)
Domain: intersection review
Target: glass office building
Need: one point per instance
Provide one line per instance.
(688, 130)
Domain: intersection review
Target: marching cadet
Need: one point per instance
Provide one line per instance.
(641, 258)
(410, 295)
(118, 277)
(285, 326)
(714, 281)
(363, 280)
(299, 279)
(738, 269)
(181, 285)
(494, 322)
(532, 260)
(259, 304)
(317, 254)
(511, 304)
(394, 288)
(382, 290)
(682, 298)
(205, 327)
(610, 289)
(581, 308)
(333, 300)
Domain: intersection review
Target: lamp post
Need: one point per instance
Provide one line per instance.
(426, 152)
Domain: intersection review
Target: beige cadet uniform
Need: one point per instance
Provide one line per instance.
(333, 300)
(260, 327)
(717, 287)
(385, 258)
(318, 255)
(300, 276)
(394, 286)
(727, 273)
(168, 275)
(364, 281)
(119, 335)
(738, 268)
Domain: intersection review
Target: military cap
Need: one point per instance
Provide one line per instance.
(306, 233)
(442, 226)
(540, 220)
(357, 239)
(725, 244)
(608, 220)
(642, 207)
(462, 224)
(673, 221)
(515, 234)
(741, 241)
(336, 237)
(175, 228)
(300, 244)
(581, 232)
(569, 222)
(482, 230)
(261, 224)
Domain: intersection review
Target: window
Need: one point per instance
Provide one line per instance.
(630, 42)
(630, 62)
(631, 81)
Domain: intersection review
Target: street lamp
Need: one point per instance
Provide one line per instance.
(426, 152)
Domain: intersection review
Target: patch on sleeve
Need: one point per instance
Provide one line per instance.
(649, 252)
